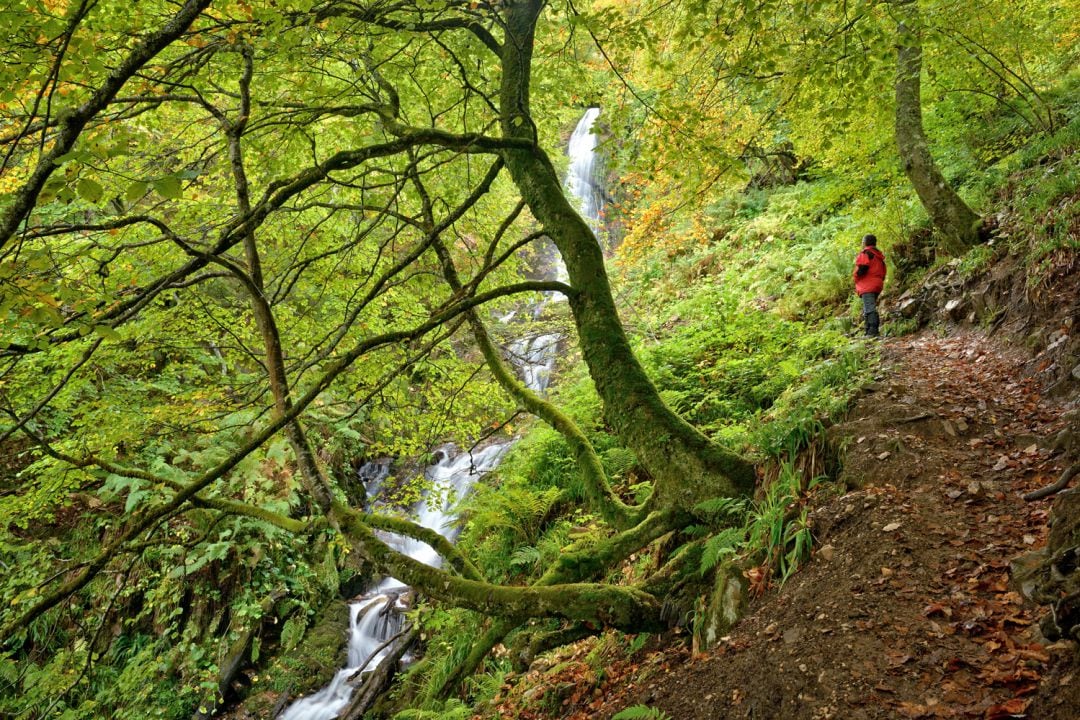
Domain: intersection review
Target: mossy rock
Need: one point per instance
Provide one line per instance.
(722, 608)
(305, 669)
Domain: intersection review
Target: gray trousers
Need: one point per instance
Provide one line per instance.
(869, 311)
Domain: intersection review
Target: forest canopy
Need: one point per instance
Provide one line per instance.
(245, 244)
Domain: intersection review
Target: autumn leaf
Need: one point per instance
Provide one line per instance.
(1015, 708)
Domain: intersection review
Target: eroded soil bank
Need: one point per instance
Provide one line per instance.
(909, 608)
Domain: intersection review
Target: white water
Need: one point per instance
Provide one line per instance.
(377, 617)
(582, 180)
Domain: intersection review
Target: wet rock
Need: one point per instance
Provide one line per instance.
(1065, 521)
(1025, 571)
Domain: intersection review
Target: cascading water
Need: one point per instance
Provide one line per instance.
(584, 179)
(377, 616)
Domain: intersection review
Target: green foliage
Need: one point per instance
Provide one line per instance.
(724, 544)
(641, 712)
(736, 295)
(452, 709)
(777, 530)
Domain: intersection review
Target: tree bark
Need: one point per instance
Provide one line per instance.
(627, 609)
(312, 475)
(686, 466)
(958, 223)
(378, 681)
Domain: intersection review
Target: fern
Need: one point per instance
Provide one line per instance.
(452, 710)
(618, 460)
(525, 557)
(722, 508)
(721, 545)
(641, 712)
(512, 509)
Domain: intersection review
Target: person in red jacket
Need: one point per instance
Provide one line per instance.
(869, 277)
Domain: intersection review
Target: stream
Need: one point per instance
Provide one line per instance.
(378, 615)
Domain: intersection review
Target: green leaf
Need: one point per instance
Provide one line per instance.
(107, 332)
(135, 191)
(168, 187)
(89, 190)
(134, 498)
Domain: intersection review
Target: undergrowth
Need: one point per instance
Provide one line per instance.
(751, 334)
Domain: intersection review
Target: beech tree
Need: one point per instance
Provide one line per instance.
(842, 85)
(958, 223)
(316, 199)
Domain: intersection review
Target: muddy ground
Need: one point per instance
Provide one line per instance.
(908, 609)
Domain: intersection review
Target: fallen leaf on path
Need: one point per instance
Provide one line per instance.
(1015, 708)
(937, 609)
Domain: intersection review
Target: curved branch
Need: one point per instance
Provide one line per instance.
(572, 566)
(231, 507)
(376, 15)
(71, 126)
(601, 497)
(149, 517)
(624, 608)
(1055, 487)
(440, 544)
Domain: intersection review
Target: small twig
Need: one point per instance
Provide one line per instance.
(378, 650)
(915, 418)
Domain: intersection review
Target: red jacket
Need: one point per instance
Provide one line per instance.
(872, 279)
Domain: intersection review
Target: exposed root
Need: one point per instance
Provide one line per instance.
(1052, 489)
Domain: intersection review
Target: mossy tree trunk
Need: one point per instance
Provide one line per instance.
(252, 282)
(686, 466)
(958, 223)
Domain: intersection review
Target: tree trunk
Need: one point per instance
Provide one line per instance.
(312, 476)
(958, 223)
(686, 466)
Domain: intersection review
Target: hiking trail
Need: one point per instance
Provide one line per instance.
(907, 609)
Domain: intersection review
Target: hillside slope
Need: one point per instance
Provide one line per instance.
(908, 609)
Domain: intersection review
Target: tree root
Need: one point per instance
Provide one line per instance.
(1060, 484)
(528, 645)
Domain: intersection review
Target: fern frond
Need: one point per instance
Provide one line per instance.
(525, 556)
(719, 546)
(722, 508)
(618, 460)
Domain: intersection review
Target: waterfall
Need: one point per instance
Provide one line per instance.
(584, 179)
(377, 616)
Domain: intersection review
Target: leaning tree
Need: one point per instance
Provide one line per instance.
(223, 221)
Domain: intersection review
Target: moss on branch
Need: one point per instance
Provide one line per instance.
(627, 609)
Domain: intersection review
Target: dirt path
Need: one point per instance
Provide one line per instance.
(907, 609)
